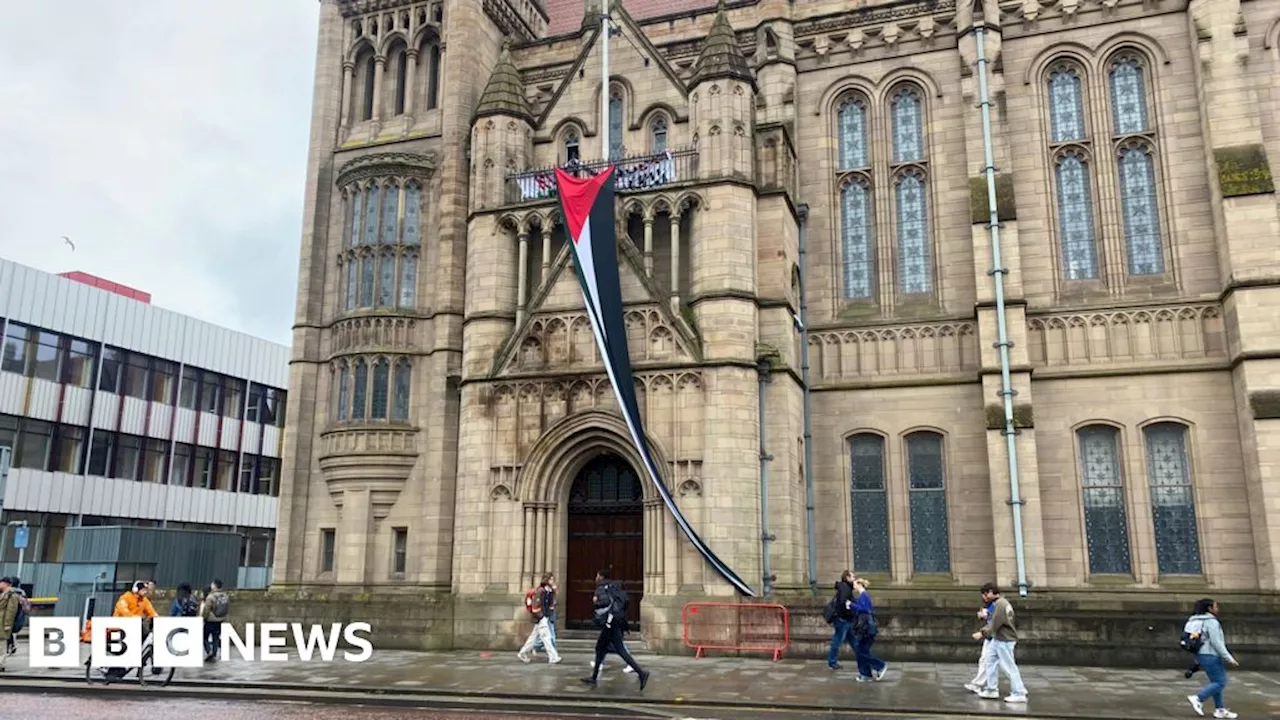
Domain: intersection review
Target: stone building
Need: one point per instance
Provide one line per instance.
(454, 434)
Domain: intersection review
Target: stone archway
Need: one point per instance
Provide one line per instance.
(562, 456)
(606, 525)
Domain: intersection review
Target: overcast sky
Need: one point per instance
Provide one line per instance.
(167, 139)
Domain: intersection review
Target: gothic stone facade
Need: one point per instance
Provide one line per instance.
(455, 435)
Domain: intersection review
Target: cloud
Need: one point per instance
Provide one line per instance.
(168, 140)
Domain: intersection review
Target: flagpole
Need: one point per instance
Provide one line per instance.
(604, 80)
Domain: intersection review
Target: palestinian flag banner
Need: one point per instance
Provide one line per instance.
(589, 217)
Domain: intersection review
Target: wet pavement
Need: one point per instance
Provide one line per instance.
(66, 707)
(713, 687)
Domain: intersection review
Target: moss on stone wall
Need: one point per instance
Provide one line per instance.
(1023, 417)
(1265, 404)
(1243, 170)
(1005, 199)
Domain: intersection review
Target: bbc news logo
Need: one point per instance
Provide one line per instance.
(178, 642)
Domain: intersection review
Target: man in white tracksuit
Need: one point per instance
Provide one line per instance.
(544, 610)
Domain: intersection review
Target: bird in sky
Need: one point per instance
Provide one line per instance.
(70, 244)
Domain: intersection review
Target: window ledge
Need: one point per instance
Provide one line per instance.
(935, 579)
(1188, 581)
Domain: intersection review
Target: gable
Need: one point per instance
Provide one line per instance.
(556, 334)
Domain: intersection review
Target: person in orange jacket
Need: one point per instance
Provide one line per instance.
(132, 603)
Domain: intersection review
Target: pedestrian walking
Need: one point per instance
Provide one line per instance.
(610, 612)
(865, 629)
(986, 656)
(9, 605)
(24, 611)
(840, 610)
(1003, 635)
(540, 602)
(1210, 644)
(213, 610)
(551, 617)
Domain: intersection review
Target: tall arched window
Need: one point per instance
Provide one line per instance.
(386, 278)
(1069, 141)
(370, 73)
(571, 150)
(910, 193)
(615, 122)
(371, 215)
(359, 391)
(930, 543)
(353, 281)
(402, 79)
(1135, 148)
(870, 501)
(381, 380)
(1106, 523)
(403, 382)
(344, 391)
(412, 213)
(433, 77)
(366, 279)
(390, 211)
(857, 228)
(1173, 505)
(353, 212)
(658, 133)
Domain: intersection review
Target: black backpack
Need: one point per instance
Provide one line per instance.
(1192, 642)
(830, 611)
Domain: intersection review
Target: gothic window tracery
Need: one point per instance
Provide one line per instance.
(372, 389)
(1135, 152)
(380, 262)
(1106, 521)
(615, 122)
(910, 193)
(1073, 193)
(572, 152)
(869, 499)
(658, 133)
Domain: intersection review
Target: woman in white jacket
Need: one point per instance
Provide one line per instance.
(1213, 656)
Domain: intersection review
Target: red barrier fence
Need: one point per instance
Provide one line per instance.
(742, 627)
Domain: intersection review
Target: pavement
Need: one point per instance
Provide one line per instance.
(709, 687)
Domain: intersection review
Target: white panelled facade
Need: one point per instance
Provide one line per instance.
(119, 412)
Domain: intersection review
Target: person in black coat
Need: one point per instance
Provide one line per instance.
(843, 623)
(610, 609)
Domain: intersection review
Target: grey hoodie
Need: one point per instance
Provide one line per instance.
(1215, 642)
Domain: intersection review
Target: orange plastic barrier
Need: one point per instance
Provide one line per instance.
(741, 627)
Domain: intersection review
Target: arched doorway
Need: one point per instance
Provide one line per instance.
(606, 529)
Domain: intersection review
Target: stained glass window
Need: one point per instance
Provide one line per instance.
(1106, 523)
(1075, 218)
(355, 217)
(1066, 105)
(353, 282)
(852, 120)
(344, 391)
(856, 240)
(371, 215)
(360, 390)
(930, 546)
(1140, 210)
(615, 124)
(390, 209)
(660, 134)
(870, 503)
(1128, 97)
(914, 268)
(366, 281)
(403, 381)
(381, 377)
(412, 213)
(908, 131)
(1173, 505)
(408, 280)
(386, 279)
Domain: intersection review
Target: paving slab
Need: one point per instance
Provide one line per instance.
(747, 684)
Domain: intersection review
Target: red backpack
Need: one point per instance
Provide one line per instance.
(533, 601)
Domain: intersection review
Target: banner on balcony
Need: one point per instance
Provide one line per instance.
(587, 204)
(640, 174)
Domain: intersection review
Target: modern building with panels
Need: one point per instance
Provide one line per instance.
(122, 413)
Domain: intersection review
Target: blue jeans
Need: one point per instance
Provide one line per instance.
(867, 663)
(1217, 672)
(843, 634)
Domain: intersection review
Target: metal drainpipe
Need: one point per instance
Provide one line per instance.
(998, 271)
(765, 371)
(802, 212)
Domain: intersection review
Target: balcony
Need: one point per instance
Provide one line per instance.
(635, 173)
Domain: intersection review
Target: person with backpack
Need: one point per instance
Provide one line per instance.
(540, 602)
(9, 605)
(865, 629)
(24, 611)
(610, 612)
(214, 611)
(839, 615)
(1203, 636)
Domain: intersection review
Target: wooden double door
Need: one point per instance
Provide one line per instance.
(606, 530)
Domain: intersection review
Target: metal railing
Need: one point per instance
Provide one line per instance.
(635, 173)
(738, 627)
